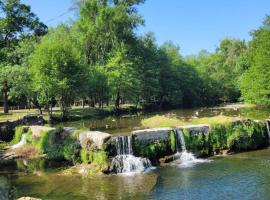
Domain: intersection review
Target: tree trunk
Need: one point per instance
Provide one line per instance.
(92, 102)
(117, 101)
(5, 97)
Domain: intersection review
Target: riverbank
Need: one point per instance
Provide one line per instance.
(103, 152)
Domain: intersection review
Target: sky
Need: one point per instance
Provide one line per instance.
(192, 24)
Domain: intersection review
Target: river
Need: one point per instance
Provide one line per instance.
(241, 176)
(128, 123)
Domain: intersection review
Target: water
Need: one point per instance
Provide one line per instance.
(124, 145)
(268, 130)
(21, 143)
(126, 124)
(243, 176)
(125, 162)
(183, 158)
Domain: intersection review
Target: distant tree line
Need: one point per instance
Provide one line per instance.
(100, 59)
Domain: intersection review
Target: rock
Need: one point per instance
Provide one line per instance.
(93, 139)
(28, 198)
(149, 135)
(7, 128)
(196, 129)
(36, 130)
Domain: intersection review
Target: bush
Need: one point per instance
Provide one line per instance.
(154, 150)
(95, 157)
(199, 144)
(249, 135)
(57, 147)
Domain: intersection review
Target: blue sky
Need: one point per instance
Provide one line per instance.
(192, 24)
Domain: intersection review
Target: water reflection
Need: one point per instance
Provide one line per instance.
(59, 187)
(241, 176)
(126, 124)
(234, 177)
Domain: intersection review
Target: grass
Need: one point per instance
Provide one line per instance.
(161, 121)
(75, 112)
(16, 114)
(170, 121)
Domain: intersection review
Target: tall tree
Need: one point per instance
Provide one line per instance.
(255, 84)
(17, 22)
(57, 71)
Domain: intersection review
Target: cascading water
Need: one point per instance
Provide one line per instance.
(125, 162)
(21, 143)
(268, 130)
(183, 157)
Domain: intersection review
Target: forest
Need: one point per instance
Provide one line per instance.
(101, 60)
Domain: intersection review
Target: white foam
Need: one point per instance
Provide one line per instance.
(21, 143)
(130, 165)
(187, 159)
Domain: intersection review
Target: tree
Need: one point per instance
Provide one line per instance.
(221, 71)
(18, 22)
(104, 25)
(57, 71)
(122, 78)
(255, 83)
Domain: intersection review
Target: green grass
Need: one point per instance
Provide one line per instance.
(74, 112)
(168, 121)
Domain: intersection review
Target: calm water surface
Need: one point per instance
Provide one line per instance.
(242, 176)
(126, 124)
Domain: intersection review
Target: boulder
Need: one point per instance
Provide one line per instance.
(150, 135)
(93, 139)
(36, 130)
(196, 129)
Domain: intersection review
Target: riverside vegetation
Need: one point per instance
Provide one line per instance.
(98, 59)
(97, 150)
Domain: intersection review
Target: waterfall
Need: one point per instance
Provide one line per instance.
(21, 143)
(268, 131)
(125, 162)
(179, 139)
(124, 145)
(183, 158)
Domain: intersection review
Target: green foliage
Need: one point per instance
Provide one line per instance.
(235, 137)
(18, 134)
(154, 150)
(219, 137)
(95, 157)
(255, 82)
(57, 147)
(199, 144)
(247, 136)
(56, 69)
(173, 141)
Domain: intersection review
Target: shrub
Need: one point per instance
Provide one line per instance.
(199, 144)
(95, 157)
(153, 150)
(57, 147)
(249, 135)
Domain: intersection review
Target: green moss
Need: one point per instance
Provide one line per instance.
(173, 141)
(249, 135)
(56, 147)
(235, 137)
(153, 150)
(18, 134)
(199, 144)
(95, 157)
